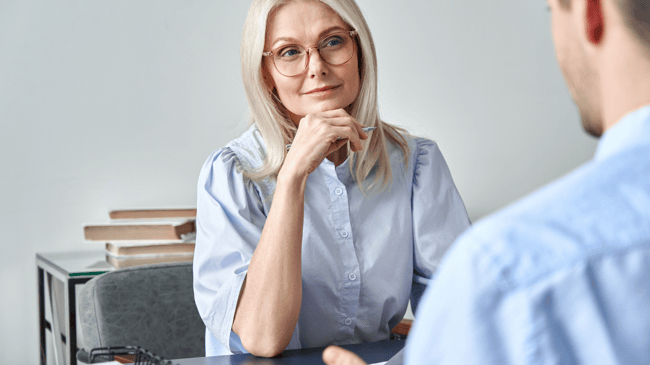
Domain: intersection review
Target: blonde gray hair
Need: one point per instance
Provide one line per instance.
(276, 127)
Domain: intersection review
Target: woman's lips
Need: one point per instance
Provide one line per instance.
(321, 89)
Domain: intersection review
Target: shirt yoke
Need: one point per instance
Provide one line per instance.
(599, 209)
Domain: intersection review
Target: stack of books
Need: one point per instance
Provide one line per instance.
(146, 236)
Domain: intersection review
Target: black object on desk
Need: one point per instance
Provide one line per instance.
(139, 355)
(371, 352)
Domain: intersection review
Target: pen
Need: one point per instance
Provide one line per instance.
(365, 129)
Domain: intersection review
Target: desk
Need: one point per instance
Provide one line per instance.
(370, 352)
(60, 273)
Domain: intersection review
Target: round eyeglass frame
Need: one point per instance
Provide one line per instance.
(351, 33)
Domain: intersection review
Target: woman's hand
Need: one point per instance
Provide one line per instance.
(319, 135)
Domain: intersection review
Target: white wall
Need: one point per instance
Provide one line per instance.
(115, 104)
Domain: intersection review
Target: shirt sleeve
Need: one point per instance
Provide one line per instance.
(439, 214)
(229, 222)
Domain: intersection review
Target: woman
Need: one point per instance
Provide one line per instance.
(323, 242)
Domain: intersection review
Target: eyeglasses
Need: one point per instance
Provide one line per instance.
(292, 60)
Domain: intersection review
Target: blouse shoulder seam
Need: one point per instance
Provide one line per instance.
(422, 146)
(248, 149)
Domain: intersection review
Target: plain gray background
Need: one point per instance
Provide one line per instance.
(116, 104)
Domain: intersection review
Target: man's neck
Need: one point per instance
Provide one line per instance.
(625, 78)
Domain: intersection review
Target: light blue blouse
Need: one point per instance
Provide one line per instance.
(560, 277)
(362, 257)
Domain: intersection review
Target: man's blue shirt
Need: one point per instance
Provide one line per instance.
(560, 277)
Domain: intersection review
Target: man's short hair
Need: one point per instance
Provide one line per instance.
(636, 15)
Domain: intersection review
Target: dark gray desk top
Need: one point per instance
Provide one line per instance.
(370, 352)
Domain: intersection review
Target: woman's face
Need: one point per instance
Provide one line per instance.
(321, 87)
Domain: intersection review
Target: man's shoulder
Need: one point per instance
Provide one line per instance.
(598, 209)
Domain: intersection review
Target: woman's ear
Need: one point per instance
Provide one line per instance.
(268, 80)
(270, 84)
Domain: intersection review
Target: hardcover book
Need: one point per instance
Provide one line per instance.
(130, 248)
(165, 213)
(146, 230)
(137, 260)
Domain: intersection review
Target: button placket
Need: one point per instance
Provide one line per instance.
(350, 288)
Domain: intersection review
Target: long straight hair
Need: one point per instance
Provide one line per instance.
(276, 127)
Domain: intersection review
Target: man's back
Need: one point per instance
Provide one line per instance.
(562, 276)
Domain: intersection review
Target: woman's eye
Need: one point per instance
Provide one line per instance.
(289, 52)
(333, 42)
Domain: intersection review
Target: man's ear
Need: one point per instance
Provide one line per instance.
(594, 21)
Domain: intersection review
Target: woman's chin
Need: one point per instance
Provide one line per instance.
(312, 108)
(328, 105)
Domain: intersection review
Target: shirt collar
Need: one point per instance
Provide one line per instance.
(632, 129)
(341, 171)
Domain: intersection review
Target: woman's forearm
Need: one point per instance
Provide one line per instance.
(269, 301)
(270, 298)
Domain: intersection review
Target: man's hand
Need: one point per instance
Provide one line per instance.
(335, 355)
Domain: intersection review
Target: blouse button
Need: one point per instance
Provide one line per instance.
(352, 276)
(338, 191)
(348, 321)
(344, 234)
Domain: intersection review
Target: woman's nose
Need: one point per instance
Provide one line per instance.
(317, 66)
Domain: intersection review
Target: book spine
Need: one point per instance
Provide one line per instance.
(136, 232)
(153, 213)
(165, 249)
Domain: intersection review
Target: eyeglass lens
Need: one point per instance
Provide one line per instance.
(335, 49)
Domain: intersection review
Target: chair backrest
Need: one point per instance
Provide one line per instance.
(148, 306)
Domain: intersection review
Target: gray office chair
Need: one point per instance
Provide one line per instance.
(147, 306)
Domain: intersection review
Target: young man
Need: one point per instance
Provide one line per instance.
(562, 276)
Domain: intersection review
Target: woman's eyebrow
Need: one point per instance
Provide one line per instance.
(294, 40)
(330, 30)
(285, 39)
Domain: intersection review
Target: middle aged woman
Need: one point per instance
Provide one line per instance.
(325, 242)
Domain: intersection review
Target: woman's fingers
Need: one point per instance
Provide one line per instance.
(335, 146)
(326, 123)
(340, 116)
(348, 133)
(320, 134)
